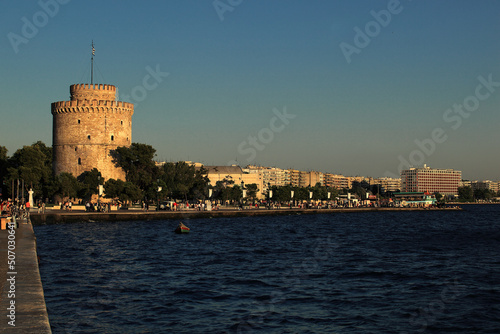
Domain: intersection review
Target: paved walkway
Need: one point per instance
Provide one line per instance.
(61, 216)
(20, 285)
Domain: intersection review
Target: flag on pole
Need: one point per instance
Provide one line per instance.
(93, 50)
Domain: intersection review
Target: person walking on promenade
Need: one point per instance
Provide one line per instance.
(27, 210)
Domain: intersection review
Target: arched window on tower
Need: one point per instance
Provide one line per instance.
(112, 138)
(88, 137)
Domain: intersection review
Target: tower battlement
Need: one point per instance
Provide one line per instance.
(80, 106)
(92, 91)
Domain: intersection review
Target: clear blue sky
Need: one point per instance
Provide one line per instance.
(360, 102)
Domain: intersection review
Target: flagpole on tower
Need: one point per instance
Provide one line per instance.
(92, 65)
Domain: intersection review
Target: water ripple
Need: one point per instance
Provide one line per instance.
(405, 272)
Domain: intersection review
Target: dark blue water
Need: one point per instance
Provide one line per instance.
(398, 272)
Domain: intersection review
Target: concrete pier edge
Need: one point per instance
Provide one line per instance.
(58, 217)
(31, 314)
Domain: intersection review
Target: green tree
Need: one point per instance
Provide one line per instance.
(89, 183)
(483, 194)
(68, 185)
(199, 188)
(184, 181)
(124, 191)
(236, 193)
(131, 192)
(282, 193)
(222, 189)
(465, 194)
(113, 188)
(301, 194)
(319, 192)
(137, 162)
(252, 190)
(358, 189)
(33, 164)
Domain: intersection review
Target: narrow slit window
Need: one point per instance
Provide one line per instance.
(112, 138)
(78, 121)
(79, 161)
(88, 137)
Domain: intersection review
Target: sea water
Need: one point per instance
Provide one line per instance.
(376, 272)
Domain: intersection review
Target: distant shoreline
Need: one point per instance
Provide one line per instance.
(471, 203)
(61, 217)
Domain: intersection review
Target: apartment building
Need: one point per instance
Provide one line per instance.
(444, 181)
(336, 181)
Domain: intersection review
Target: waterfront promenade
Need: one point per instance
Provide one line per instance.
(22, 301)
(62, 216)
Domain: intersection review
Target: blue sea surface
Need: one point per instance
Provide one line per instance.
(376, 272)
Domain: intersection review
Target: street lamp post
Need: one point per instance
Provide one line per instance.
(158, 195)
(269, 195)
(209, 204)
(98, 193)
(243, 195)
(310, 197)
(328, 198)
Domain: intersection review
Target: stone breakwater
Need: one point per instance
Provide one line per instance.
(57, 217)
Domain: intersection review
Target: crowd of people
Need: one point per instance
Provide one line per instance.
(16, 209)
(98, 207)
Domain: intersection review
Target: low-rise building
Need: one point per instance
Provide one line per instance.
(389, 184)
(485, 185)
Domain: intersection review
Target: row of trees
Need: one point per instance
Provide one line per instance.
(467, 194)
(33, 164)
(144, 179)
(147, 181)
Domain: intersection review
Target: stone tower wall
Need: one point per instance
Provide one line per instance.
(87, 128)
